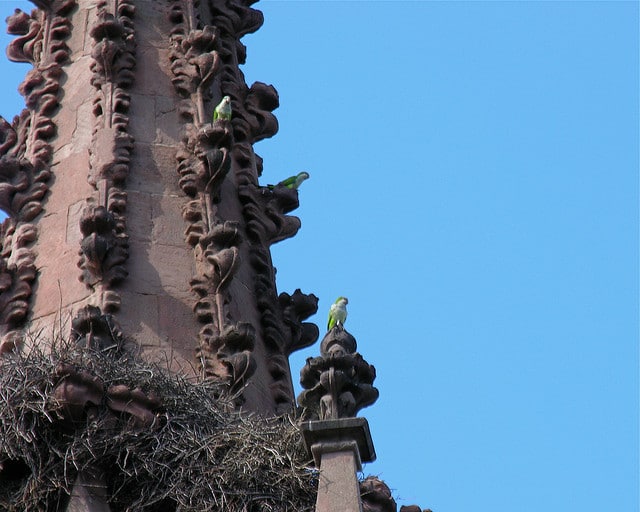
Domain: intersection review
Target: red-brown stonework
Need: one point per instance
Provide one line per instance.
(128, 202)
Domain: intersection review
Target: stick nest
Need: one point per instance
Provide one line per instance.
(198, 455)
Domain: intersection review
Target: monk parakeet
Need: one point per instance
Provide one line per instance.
(292, 181)
(223, 110)
(337, 313)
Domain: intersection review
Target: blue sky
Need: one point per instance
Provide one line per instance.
(474, 192)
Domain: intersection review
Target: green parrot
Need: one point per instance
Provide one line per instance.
(292, 182)
(223, 110)
(337, 313)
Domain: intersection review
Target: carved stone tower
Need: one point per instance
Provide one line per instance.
(137, 226)
(132, 213)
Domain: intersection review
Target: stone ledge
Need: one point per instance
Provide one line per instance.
(329, 435)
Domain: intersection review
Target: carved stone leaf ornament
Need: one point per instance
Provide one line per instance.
(25, 156)
(203, 163)
(113, 53)
(17, 273)
(295, 309)
(204, 53)
(92, 329)
(21, 197)
(103, 253)
(226, 349)
(27, 47)
(228, 356)
(212, 150)
(104, 249)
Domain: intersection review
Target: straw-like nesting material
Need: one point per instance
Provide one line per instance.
(197, 455)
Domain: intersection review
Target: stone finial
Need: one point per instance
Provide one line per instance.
(338, 383)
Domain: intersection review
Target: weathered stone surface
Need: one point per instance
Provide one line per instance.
(74, 141)
(138, 317)
(154, 268)
(154, 32)
(76, 90)
(167, 121)
(152, 74)
(337, 484)
(143, 113)
(58, 284)
(139, 213)
(168, 224)
(325, 435)
(74, 215)
(69, 182)
(153, 169)
(79, 41)
(338, 448)
(175, 322)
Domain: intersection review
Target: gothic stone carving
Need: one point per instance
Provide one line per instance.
(25, 155)
(21, 187)
(103, 253)
(225, 348)
(80, 394)
(92, 329)
(104, 249)
(204, 56)
(295, 309)
(17, 274)
(338, 383)
(204, 161)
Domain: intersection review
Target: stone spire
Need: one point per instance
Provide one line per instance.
(337, 385)
(132, 213)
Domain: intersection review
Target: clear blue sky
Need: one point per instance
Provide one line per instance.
(474, 192)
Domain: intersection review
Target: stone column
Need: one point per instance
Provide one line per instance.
(339, 447)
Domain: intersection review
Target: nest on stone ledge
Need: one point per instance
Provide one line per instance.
(158, 442)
